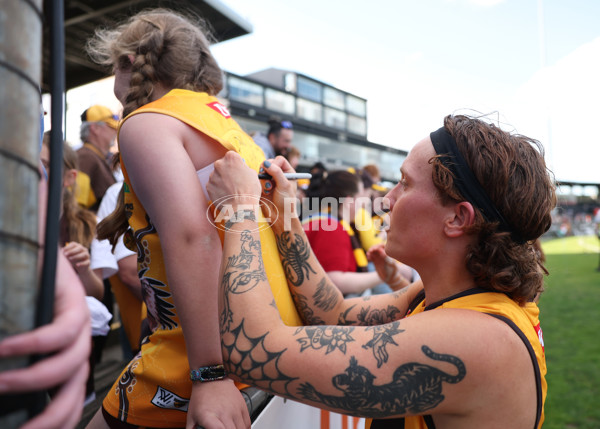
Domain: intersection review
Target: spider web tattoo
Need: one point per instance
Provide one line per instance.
(250, 360)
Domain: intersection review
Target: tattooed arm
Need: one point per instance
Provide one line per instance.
(408, 367)
(315, 294)
(440, 362)
(318, 299)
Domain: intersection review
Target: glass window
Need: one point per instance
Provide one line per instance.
(339, 153)
(244, 91)
(290, 82)
(251, 126)
(307, 144)
(309, 89)
(357, 125)
(310, 111)
(335, 118)
(389, 165)
(330, 151)
(371, 156)
(334, 98)
(356, 106)
(280, 101)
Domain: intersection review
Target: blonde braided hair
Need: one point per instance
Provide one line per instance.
(168, 49)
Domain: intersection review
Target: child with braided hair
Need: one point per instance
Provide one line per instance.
(174, 129)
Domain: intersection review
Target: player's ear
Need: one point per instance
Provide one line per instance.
(461, 216)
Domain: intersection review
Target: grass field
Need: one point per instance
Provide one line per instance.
(570, 317)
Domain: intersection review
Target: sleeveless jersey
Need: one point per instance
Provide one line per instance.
(154, 389)
(524, 320)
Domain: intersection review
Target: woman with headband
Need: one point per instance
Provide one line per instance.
(463, 347)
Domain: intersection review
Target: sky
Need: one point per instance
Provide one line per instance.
(533, 65)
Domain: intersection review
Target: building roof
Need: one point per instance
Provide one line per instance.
(82, 17)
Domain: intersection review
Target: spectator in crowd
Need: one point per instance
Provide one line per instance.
(278, 139)
(368, 234)
(98, 133)
(380, 210)
(471, 202)
(125, 284)
(293, 157)
(77, 239)
(368, 221)
(77, 225)
(333, 236)
(373, 171)
(319, 173)
(174, 129)
(368, 183)
(318, 170)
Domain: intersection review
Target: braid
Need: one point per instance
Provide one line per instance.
(208, 76)
(141, 86)
(169, 50)
(144, 69)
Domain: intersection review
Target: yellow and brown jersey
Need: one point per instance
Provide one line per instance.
(524, 320)
(155, 387)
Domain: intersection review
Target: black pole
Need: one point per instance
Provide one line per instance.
(45, 306)
(57, 79)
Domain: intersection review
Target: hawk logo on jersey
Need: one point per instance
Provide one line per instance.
(219, 108)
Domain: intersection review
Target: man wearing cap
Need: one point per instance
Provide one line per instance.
(98, 132)
(278, 140)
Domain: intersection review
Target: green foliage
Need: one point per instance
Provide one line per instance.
(570, 317)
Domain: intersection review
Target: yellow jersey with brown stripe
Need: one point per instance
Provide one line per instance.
(524, 320)
(154, 389)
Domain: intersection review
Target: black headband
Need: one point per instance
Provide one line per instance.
(466, 182)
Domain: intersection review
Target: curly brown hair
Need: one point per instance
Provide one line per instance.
(168, 49)
(511, 169)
